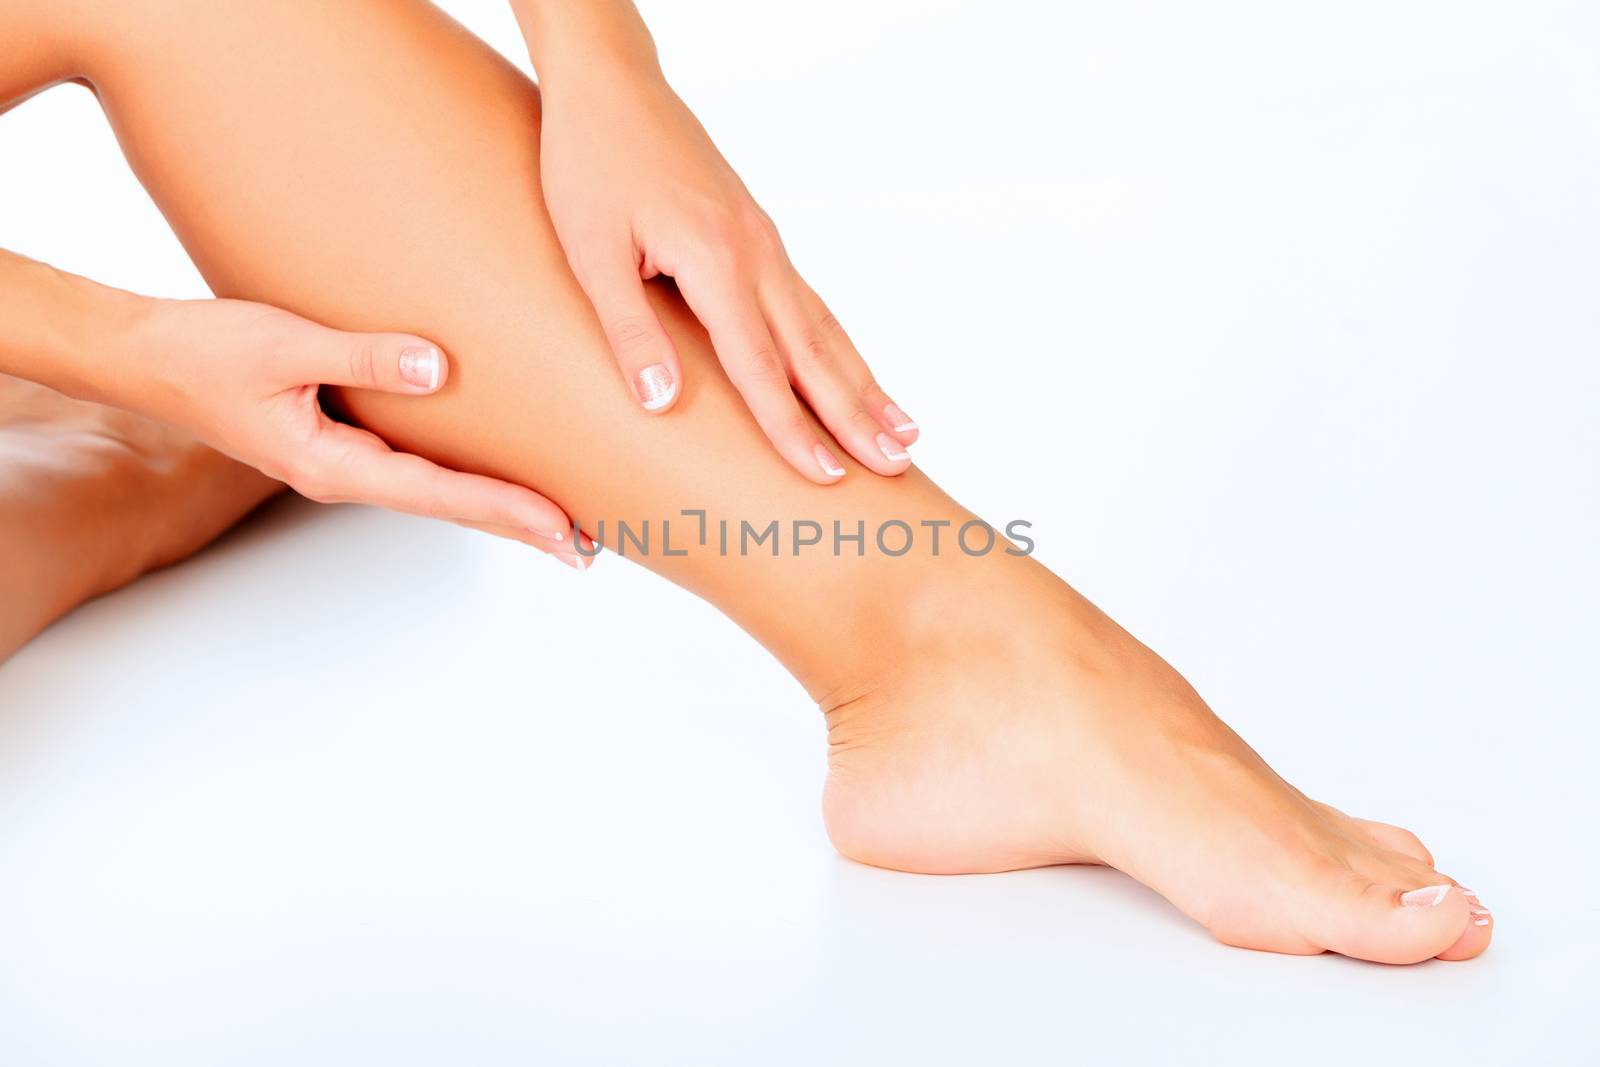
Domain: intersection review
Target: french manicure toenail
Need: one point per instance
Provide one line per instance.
(656, 386)
(1480, 922)
(828, 462)
(1480, 911)
(1426, 897)
(901, 422)
(575, 562)
(552, 535)
(419, 366)
(892, 451)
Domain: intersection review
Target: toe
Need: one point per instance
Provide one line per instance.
(1396, 839)
(1388, 924)
(1476, 937)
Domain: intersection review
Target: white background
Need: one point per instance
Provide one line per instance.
(1278, 320)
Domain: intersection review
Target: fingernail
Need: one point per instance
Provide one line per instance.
(1427, 897)
(898, 418)
(891, 448)
(419, 366)
(577, 563)
(656, 387)
(827, 461)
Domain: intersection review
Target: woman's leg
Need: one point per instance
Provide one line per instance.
(92, 497)
(371, 165)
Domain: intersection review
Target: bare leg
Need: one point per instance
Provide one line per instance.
(371, 165)
(92, 497)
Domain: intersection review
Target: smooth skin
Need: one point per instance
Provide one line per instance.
(981, 714)
(651, 197)
(635, 189)
(245, 378)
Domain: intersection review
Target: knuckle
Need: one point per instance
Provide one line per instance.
(629, 333)
(815, 354)
(762, 368)
(761, 232)
(864, 423)
(794, 427)
(721, 249)
(870, 393)
(363, 357)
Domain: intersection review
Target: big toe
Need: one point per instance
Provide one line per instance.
(1395, 924)
(1479, 932)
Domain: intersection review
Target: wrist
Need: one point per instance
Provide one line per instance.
(147, 337)
(574, 42)
(67, 332)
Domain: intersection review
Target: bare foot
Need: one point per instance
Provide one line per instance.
(1026, 729)
(92, 497)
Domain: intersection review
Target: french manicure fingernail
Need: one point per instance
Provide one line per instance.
(656, 386)
(1426, 897)
(419, 366)
(828, 462)
(891, 448)
(898, 418)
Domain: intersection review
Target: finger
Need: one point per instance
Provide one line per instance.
(900, 425)
(648, 360)
(386, 362)
(748, 353)
(349, 464)
(559, 551)
(834, 380)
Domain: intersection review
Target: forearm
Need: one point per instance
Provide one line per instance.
(64, 331)
(563, 35)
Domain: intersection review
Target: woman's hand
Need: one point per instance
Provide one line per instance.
(635, 189)
(244, 378)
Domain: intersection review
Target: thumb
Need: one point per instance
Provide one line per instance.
(386, 362)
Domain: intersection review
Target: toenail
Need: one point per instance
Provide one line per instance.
(1480, 922)
(1427, 897)
(1480, 911)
